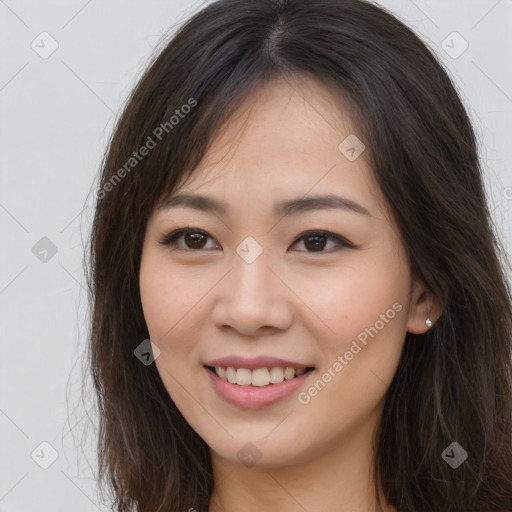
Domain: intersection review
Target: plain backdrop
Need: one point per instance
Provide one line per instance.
(66, 69)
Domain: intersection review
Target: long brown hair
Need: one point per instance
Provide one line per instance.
(453, 383)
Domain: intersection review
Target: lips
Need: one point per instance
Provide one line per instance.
(255, 397)
(256, 382)
(256, 362)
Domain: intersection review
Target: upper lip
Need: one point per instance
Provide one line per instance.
(255, 362)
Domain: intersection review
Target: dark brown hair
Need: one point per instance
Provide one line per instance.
(453, 383)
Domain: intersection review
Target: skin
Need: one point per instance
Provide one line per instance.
(292, 302)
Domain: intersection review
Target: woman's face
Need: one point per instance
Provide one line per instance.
(259, 286)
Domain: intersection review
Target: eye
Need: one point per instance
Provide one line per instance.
(195, 239)
(317, 240)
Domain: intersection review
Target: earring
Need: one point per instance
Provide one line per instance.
(428, 322)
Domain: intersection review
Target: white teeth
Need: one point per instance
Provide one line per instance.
(230, 374)
(276, 375)
(289, 373)
(259, 377)
(243, 377)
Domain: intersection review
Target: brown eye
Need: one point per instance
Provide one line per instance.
(194, 239)
(315, 241)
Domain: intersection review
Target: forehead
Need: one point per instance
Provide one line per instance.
(283, 143)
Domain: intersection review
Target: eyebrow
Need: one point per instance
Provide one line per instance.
(281, 209)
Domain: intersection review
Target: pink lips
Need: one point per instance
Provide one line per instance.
(255, 362)
(255, 397)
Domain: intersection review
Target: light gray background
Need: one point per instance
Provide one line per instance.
(56, 116)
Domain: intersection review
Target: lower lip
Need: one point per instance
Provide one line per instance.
(255, 397)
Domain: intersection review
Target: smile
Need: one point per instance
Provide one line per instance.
(257, 388)
(258, 377)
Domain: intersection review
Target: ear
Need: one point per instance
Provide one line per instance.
(423, 304)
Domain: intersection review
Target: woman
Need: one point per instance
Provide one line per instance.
(297, 294)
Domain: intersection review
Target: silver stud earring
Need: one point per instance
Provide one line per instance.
(428, 322)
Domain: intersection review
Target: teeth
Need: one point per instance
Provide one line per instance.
(289, 373)
(276, 375)
(258, 377)
(243, 377)
(230, 374)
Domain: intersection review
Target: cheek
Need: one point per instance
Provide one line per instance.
(345, 300)
(366, 316)
(166, 296)
(174, 304)
(155, 298)
(361, 311)
(169, 304)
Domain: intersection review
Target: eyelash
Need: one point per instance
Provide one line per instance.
(172, 238)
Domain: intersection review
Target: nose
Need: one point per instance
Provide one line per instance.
(252, 299)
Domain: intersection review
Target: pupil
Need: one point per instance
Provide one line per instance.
(315, 245)
(197, 238)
